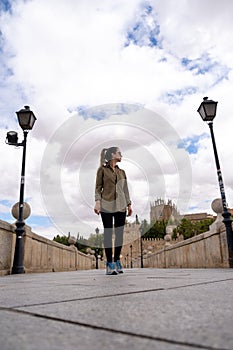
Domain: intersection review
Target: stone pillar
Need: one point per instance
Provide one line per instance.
(168, 236)
(218, 209)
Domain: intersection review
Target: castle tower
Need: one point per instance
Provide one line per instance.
(161, 210)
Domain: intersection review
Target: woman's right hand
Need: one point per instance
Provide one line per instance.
(97, 207)
(130, 211)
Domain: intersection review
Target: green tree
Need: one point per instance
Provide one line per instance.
(61, 239)
(185, 228)
(202, 225)
(81, 243)
(157, 230)
(144, 227)
(94, 242)
(189, 229)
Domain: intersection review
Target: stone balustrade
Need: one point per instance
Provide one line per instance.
(206, 250)
(40, 253)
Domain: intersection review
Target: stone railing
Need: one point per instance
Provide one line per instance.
(40, 253)
(7, 246)
(206, 250)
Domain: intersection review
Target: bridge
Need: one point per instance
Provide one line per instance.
(181, 300)
(165, 309)
(206, 250)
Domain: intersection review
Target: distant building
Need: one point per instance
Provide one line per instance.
(162, 210)
(198, 216)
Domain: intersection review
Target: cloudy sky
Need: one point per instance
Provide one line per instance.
(129, 73)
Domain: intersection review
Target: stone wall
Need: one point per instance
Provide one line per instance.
(40, 253)
(131, 249)
(207, 250)
(7, 244)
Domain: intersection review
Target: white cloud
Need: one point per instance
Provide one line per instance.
(60, 55)
(71, 159)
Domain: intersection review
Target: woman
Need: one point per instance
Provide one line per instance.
(112, 202)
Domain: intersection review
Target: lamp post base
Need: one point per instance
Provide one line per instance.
(228, 224)
(18, 257)
(17, 270)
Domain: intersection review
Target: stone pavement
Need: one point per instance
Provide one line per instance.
(180, 309)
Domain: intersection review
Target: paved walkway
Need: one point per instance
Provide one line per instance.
(181, 309)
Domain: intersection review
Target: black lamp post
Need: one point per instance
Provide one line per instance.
(207, 111)
(26, 119)
(127, 260)
(97, 249)
(141, 247)
(131, 256)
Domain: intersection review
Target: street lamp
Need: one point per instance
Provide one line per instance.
(207, 111)
(131, 256)
(127, 260)
(141, 247)
(97, 249)
(26, 119)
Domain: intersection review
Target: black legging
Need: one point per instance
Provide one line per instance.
(119, 222)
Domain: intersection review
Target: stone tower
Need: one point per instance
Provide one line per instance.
(162, 210)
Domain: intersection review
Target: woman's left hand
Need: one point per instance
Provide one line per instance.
(97, 207)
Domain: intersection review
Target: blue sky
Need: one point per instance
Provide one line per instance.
(103, 62)
(192, 144)
(145, 31)
(5, 5)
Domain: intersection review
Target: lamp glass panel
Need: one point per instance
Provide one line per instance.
(32, 120)
(201, 111)
(24, 119)
(210, 109)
